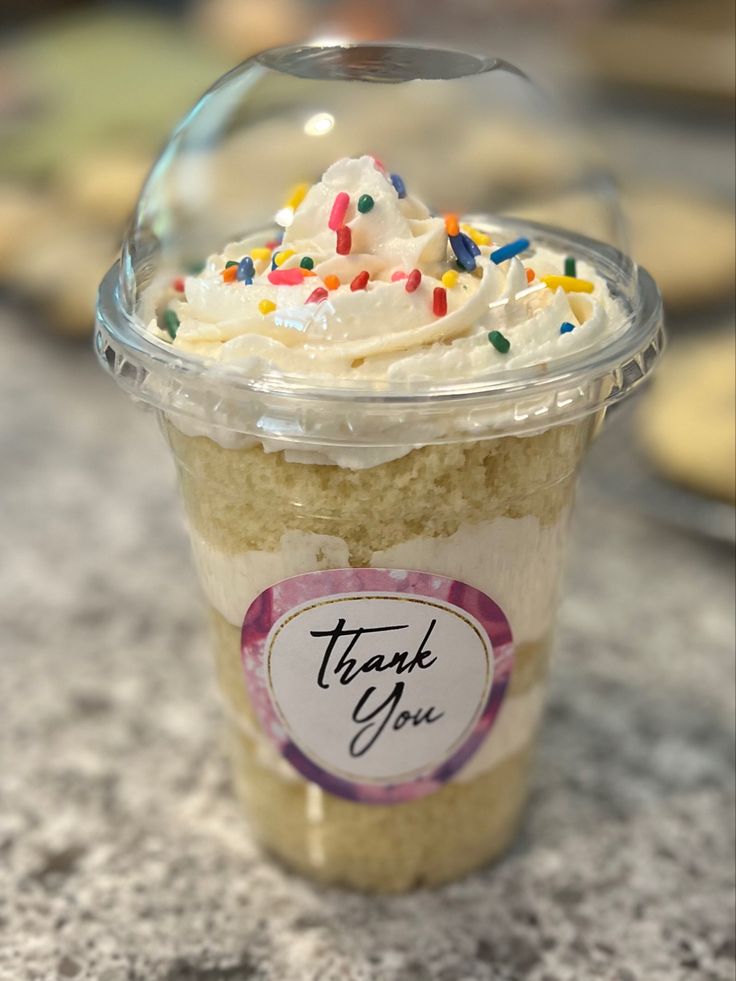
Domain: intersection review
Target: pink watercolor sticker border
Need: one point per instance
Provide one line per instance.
(284, 596)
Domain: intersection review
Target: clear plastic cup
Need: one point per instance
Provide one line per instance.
(381, 565)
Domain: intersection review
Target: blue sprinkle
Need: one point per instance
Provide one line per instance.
(399, 185)
(472, 247)
(246, 270)
(463, 254)
(510, 250)
(273, 260)
(567, 327)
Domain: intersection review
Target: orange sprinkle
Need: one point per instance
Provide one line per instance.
(307, 272)
(331, 282)
(530, 275)
(229, 274)
(452, 224)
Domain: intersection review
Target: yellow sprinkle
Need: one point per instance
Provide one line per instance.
(570, 284)
(449, 279)
(480, 238)
(266, 306)
(297, 195)
(260, 255)
(281, 257)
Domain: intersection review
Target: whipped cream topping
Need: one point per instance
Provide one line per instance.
(382, 331)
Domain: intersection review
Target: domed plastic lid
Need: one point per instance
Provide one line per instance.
(470, 136)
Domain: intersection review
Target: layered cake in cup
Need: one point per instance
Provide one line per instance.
(377, 416)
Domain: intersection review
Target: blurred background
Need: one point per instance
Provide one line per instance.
(110, 772)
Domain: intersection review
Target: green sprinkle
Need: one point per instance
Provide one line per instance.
(570, 267)
(171, 322)
(307, 262)
(196, 268)
(231, 263)
(501, 344)
(365, 203)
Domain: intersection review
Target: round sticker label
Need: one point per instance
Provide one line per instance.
(376, 684)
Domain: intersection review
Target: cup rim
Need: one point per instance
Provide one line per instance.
(600, 375)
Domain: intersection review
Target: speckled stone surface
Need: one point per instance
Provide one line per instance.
(122, 854)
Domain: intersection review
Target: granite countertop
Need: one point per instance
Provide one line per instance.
(124, 856)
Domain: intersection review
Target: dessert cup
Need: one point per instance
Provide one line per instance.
(377, 416)
(492, 513)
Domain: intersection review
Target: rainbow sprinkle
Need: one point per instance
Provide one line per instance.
(480, 238)
(332, 282)
(571, 267)
(570, 284)
(530, 275)
(171, 323)
(470, 245)
(286, 277)
(266, 306)
(450, 278)
(344, 241)
(297, 195)
(281, 257)
(317, 296)
(246, 270)
(502, 344)
(399, 274)
(439, 301)
(307, 262)
(510, 250)
(399, 185)
(229, 273)
(465, 258)
(413, 280)
(365, 204)
(339, 210)
(566, 327)
(178, 284)
(361, 281)
(452, 225)
(260, 254)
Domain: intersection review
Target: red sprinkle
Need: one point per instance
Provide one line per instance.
(285, 277)
(339, 209)
(318, 295)
(413, 280)
(361, 281)
(344, 240)
(439, 301)
(399, 274)
(380, 164)
(178, 284)
(272, 244)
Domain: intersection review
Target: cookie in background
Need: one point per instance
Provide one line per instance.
(88, 97)
(687, 421)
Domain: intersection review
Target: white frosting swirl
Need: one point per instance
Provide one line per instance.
(383, 331)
